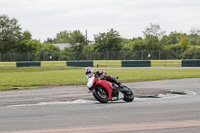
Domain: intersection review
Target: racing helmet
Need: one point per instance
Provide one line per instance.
(89, 70)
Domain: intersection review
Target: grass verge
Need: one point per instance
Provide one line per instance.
(28, 78)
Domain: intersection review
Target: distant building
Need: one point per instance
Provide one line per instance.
(91, 42)
(62, 46)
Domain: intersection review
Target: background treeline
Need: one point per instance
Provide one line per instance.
(13, 39)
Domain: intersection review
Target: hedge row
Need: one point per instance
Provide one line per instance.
(106, 63)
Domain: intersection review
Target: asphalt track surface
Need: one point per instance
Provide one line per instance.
(51, 114)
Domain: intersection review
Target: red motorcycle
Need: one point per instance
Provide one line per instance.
(105, 90)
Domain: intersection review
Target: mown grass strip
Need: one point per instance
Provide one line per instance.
(107, 63)
(7, 64)
(53, 64)
(166, 63)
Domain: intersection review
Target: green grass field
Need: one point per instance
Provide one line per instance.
(11, 78)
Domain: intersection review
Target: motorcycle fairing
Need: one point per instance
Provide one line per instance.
(106, 85)
(90, 82)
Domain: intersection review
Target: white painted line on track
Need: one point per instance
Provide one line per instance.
(54, 103)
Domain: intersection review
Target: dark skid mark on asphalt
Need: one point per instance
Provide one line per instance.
(170, 92)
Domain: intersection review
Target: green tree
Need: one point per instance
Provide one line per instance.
(136, 44)
(10, 33)
(49, 48)
(29, 46)
(77, 40)
(153, 30)
(191, 53)
(126, 41)
(110, 41)
(169, 51)
(174, 38)
(184, 42)
(49, 40)
(48, 51)
(195, 36)
(67, 54)
(62, 37)
(88, 48)
(153, 35)
(26, 35)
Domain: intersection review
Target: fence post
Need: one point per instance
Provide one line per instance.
(44, 56)
(74, 55)
(176, 53)
(194, 52)
(0, 56)
(142, 54)
(124, 55)
(28, 56)
(90, 55)
(59, 55)
(107, 54)
(14, 55)
(159, 53)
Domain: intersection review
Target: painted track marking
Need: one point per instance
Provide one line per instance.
(122, 127)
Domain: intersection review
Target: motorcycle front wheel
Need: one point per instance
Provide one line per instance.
(100, 94)
(128, 96)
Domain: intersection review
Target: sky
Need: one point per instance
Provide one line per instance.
(45, 18)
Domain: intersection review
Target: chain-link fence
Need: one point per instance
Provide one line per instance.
(106, 55)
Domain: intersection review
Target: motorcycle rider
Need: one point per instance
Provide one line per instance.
(101, 75)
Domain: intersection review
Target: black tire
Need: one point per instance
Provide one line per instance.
(128, 97)
(100, 94)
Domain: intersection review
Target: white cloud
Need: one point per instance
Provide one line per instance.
(45, 18)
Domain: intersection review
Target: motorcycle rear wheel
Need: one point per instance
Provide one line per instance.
(100, 94)
(129, 96)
